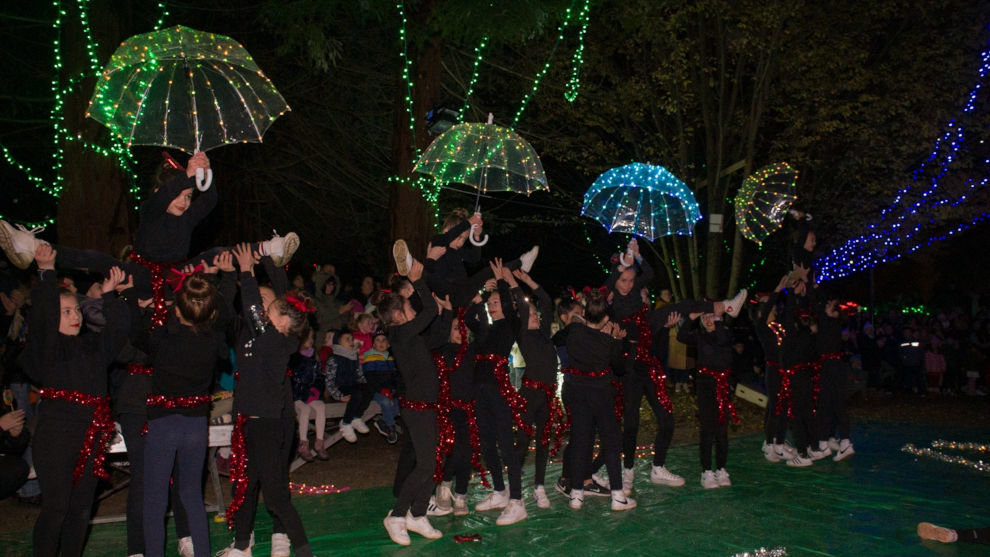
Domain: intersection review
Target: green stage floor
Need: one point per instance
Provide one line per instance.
(867, 505)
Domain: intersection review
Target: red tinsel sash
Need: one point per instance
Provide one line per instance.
(643, 344)
(468, 407)
(512, 397)
(830, 356)
(158, 272)
(98, 435)
(238, 469)
(162, 401)
(135, 369)
(445, 430)
(784, 395)
(721, 378)
(556, 420)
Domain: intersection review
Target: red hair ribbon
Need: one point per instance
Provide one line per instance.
(177, 278)
(299, 304)
(587, 289)
(171, 162)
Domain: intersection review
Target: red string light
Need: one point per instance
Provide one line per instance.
(98, 434)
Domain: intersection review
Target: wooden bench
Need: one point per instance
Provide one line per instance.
(335, 410)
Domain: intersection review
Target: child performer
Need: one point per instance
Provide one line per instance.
(593, 348)
(265, 343)
(420, 407)
(497, 403)
(74, 424)
(832, 413)
(771, 333)
(539, 384)
(714, 342)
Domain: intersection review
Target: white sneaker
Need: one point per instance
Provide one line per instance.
(577, 499)
(600, 480)
(844, 451)
(186, 547)
(444, 495)
(347, 430)
(359, 425)
(708, 480)
(735, 305)
(540, 496)
(421, 525)
(396, 528)
(818, 455)
(527, 259)
(785, 451)
(281, 547)
(495, 500)
(403, 259)
(621, 502)
(799, 461)
(660, 475)
(833, 444)
(19, 243)
(628, 476)
(722, 477)
(460, 505)
(229, 551)
(770, 454)
(433, 509)
(280, 248)
(514, 512)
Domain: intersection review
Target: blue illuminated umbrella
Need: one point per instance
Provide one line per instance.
(643, 200)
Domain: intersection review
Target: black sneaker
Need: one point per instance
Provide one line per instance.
(392, 437)
(595, 490)
(563, 485)
(380, 427)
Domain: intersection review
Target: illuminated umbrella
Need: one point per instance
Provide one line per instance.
(186, 89)
(764, 199)
(643, 200)
(486, 157)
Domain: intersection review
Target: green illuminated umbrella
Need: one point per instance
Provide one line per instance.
(186, 89)
(764, 199)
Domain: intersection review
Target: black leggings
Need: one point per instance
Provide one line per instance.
(495, 427)
(537, 415)
(592, 406)
(458, 464)
(66, 506)
(414, 493)
(832, 414)
(635, 386)
(774, 425)
(802, 423)
(268, 470)
(712, 432)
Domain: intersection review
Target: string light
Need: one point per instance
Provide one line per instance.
(764, 552)
(324, 489)
(163, 6)
(475, 71)
(977, 465)
(763, 200)
(407, 74)
(546, 67)
(574, 83)
(904, 228)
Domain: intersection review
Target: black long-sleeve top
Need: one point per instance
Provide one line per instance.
(73, 363)
(496, 338)
(536, 346)
(625, 305)
(184, 362)
(798, 346)
(714, 348)
(590, 350)
(412, 356)
(450, 265)
(165, 238)
(462, 378)
(262, 359)
(764, 334)
(829, 336)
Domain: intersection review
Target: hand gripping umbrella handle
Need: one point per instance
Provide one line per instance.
(480, 242)
(202, 173)
(622, 258)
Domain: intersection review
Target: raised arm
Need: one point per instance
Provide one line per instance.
(43, 319)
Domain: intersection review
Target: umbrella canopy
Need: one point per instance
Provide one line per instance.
(484, 156)
(642, 199)
(764, 199)
(185, 89)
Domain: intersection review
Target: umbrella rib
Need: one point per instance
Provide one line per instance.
(123, 90)
(140, 107)
(216, 105)
(243, 102)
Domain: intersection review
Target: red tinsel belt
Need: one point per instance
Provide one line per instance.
(784, 394)
(574, 371)
(556, 420)
(158, 271)
(721, 378)
(830, 356)
(475, 437)
(512, 397)
(162, 401)
(98, 435)
(135, 369)
(238, 469)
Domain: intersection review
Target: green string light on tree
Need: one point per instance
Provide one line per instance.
(474, 77)
(163, 6)
(574, 83)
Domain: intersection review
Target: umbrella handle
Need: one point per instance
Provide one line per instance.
(622, 258)
(480, 242)
(200, 174)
